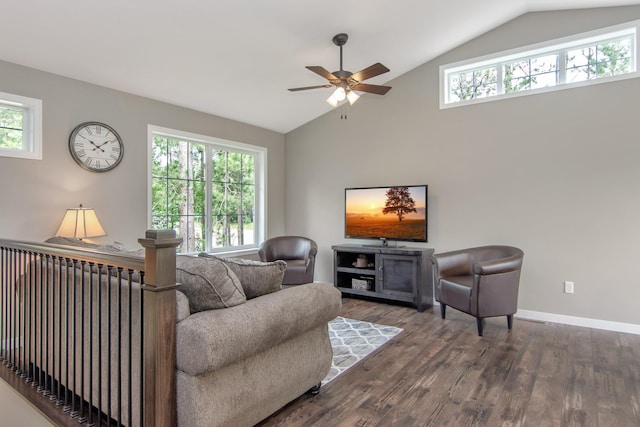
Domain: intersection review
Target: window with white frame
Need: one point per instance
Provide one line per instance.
(210, 191)
(20, 126)
(595, 57)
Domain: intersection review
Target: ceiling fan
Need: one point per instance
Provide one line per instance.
(346, 82)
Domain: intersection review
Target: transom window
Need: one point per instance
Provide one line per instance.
(208, 190)
(20, 126)
(594, 57)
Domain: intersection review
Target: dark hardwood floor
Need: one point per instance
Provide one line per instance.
(440, 373)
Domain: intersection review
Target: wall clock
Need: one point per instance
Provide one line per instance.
(96, 147)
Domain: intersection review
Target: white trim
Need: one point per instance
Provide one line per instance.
(586, 322)
(551, 46)
(32, 126)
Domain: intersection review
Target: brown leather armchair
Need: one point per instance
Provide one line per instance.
(482, 281)
(298, 252)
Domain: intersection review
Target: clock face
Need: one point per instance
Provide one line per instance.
(96, 146)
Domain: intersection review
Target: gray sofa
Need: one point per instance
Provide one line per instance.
(238, 365)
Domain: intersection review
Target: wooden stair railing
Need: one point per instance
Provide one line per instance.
(21, 366)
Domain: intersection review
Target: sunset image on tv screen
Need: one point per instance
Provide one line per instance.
(386, 212)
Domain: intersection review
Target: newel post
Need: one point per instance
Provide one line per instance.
(159, 363)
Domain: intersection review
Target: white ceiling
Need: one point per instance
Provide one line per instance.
(236, 58)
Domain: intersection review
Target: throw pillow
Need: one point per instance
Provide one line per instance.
(208, 283)
(257, 277)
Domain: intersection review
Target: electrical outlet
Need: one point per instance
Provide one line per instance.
(568, 287)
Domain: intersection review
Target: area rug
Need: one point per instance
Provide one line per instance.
(352, 340)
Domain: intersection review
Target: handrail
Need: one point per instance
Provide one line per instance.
(97, 256)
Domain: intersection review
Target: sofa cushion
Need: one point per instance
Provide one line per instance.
(257, 277)
(208, 283)
(212, 339)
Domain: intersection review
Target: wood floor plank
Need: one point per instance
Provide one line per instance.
(440, 373)
(614, 405)
(631, 358)
(543, 409)
(580, 405)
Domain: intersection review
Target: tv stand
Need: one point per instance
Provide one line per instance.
(392, 273)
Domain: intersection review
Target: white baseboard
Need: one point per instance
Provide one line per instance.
(607, 325)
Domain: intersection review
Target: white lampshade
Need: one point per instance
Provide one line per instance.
(332, 101)
(80, 223)
(339, 94)
(352, 97)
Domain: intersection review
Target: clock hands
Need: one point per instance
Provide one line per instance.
(98, 147)
(106, 142)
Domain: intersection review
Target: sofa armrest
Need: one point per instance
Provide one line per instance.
(212, 339)
(182, 306)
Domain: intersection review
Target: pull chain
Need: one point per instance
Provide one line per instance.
(343, 113)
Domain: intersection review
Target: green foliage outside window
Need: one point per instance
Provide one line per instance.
(474, 84)
(609, 58)
(605, 60)
(184, 173)
(11, 128)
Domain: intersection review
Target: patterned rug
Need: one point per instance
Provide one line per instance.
(352, 340)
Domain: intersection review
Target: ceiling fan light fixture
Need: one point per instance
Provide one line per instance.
(352, 97)
(343, 81)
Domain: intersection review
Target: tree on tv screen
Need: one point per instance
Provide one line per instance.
(399, 202)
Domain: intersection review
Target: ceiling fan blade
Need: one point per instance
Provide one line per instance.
(322, 72)
(294, 89)
(372, 71)
(378, 90)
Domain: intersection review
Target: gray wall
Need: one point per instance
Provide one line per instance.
(555, 174)
(35, 193)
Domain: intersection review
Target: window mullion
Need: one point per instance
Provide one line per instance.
(499, 77)
(208, 210)
(632, 52)
(562, 66)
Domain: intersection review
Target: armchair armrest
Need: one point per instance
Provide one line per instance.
(497, 266)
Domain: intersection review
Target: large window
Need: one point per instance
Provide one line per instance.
(594, 57)
(20, 126)
(209, 191)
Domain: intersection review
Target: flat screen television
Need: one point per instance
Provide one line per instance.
(386, 213)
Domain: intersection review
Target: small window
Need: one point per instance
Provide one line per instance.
(588, 58)
(20, 126)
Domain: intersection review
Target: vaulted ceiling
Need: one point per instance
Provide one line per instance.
(236, 58)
